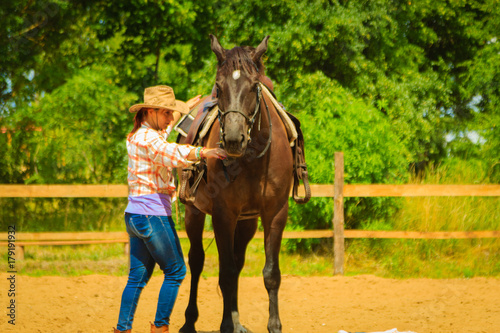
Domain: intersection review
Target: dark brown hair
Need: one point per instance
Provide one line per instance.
(138, 119)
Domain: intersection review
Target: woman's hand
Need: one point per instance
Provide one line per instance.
(190, 104)
(200, 152)
(193, 101)
(214, 153)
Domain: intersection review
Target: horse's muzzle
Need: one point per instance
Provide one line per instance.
(236, 147)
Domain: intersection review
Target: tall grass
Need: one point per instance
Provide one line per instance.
(435, 258)
(450, 213)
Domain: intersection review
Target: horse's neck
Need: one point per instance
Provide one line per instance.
(263, 118)
(267, 82)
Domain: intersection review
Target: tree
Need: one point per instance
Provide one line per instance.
(35, 55)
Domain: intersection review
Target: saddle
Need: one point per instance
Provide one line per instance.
(189, 127)
(194, 127)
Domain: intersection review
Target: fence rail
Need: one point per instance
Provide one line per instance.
(338, 191)
(317, 190)
(45, 238)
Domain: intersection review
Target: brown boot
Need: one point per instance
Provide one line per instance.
(161, 329)
(116, 331)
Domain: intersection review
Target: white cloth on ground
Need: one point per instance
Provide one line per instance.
(394, 330)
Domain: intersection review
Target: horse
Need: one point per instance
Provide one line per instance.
(254, 181)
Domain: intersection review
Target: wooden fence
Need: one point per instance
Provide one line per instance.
(338, 191)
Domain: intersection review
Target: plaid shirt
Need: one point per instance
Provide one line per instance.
(151, 159)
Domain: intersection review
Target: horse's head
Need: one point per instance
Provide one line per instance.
(238, 92)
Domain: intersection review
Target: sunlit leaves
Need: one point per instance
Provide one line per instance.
(76, 134)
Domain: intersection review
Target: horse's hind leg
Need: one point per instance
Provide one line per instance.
(195, 221)
(273, 220)
(245, 230)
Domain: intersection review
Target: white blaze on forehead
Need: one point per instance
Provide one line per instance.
(236, 74)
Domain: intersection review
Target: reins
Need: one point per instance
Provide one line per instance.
(269, 139)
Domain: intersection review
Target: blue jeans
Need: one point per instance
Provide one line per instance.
(153, 239)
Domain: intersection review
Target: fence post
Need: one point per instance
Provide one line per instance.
(338, 215)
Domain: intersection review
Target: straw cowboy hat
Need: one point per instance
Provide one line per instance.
(160, 97)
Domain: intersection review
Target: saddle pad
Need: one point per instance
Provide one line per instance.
(289, 125)
(212, 115)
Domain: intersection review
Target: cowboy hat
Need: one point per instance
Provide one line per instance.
(160, 97)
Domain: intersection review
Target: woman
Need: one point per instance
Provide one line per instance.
(153, 238)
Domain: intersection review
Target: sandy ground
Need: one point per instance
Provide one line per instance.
(307, 304)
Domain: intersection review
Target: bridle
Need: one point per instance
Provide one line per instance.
(250, 120)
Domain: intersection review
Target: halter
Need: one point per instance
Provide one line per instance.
(250, 121)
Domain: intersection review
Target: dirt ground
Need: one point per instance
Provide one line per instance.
(307, 304)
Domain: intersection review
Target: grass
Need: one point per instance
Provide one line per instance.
(435, 258)
(109, 259)
(385, 258)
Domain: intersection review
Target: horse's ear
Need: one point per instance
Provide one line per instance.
(259, 51)
(218, 49)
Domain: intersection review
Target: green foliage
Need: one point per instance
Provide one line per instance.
(337, 121)
(35, 48)
(334, 120)
(76, 134)
(484, 88)
(420, 63)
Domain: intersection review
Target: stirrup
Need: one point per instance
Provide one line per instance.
(187, 192)
(296, 183)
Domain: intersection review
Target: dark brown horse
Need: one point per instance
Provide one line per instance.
(255, 181)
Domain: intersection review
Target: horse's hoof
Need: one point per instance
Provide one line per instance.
(187, 329)
(240, 329)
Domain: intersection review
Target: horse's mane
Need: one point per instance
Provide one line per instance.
(240, 58)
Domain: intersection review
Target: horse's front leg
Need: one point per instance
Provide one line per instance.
(274, 221)
(245, 230)
(195, 221)
(224, 224)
